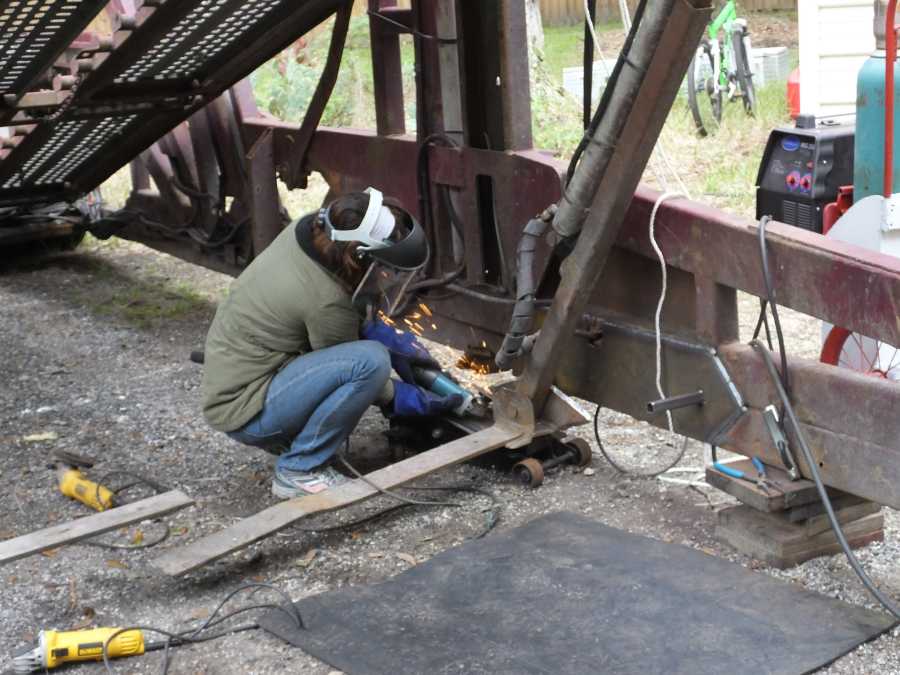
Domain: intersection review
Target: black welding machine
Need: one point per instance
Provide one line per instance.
(802, 169)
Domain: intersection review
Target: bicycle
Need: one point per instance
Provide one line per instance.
(721, 67)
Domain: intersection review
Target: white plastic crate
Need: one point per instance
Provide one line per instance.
(769, 64)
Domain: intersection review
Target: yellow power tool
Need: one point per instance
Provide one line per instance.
(57, 647)
(72, 483)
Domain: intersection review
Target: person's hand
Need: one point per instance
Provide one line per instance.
(406, 351)
(411, 400)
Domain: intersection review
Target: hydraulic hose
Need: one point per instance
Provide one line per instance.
(523, 313)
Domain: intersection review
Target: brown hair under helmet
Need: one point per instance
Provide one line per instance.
(361, 218)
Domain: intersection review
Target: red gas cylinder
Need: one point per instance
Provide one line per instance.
(793, 92)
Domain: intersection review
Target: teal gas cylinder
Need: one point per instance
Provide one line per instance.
(868, 152)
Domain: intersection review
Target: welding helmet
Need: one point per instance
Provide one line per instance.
(393, 244)
(399, 244)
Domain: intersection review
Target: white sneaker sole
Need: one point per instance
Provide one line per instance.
(286, 492)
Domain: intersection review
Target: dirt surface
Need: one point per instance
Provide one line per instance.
(95, 350)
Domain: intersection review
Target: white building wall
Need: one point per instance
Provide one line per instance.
(835, 39)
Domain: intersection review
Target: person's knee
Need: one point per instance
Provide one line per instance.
(376, 360)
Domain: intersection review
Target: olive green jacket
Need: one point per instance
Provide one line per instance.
(282, 305)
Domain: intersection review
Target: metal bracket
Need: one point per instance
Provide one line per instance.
(513, 409)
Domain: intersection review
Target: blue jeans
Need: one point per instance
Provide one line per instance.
(315, 402)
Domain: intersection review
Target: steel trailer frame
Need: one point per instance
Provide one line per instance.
(192, 128)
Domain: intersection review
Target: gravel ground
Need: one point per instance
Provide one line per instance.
(96, 346)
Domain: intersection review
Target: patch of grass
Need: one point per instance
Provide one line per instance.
(145, 304)
(721, 168)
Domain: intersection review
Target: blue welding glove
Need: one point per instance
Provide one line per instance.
(406, 351)
(411, 400)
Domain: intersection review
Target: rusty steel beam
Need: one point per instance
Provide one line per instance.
(860, 293)
(387, 74)
(298, 172)
(610, 170)
(849, 419)
(823, 278)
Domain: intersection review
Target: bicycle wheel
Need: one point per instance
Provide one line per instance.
(739, 42)
(704, 100)
(860, 353)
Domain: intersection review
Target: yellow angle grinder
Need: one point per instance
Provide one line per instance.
(74, 484)
(57, 647)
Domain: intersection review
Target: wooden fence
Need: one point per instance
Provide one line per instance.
(561, 12)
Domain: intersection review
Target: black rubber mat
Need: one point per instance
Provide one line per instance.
(564, 594)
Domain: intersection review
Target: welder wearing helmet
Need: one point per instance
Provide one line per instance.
(295, 353)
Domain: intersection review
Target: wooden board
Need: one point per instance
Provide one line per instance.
(783, 544)
(91, 526)
(786, 494)
(269, 521)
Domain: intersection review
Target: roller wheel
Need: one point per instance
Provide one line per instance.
(529, 472)
(583, 453)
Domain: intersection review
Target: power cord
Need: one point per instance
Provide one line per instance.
(493, 511)
(137, 480)
(781, 382)
(192, 636)
(817, 479)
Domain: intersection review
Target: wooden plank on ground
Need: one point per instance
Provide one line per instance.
(91, 526)
(269, 521)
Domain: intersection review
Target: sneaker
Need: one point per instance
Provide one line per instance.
(288, 484)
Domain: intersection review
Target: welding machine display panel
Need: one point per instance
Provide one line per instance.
(791, 166)
(801, 171)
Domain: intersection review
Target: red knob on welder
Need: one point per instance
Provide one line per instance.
(806, 183)
(792, 180)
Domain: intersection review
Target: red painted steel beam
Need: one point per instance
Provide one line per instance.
(834, 281)
(840, 283)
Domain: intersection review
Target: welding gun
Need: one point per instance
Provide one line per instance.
(57, 647)
(72, 483)
(437, 382)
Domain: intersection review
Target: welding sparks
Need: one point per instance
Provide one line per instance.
(468, 364)
(418, 328)
(433, 327)
(425, 310)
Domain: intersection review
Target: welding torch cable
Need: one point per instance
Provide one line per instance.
(769, 284)
(817, 479)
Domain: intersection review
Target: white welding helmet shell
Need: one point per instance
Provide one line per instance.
(381, 237)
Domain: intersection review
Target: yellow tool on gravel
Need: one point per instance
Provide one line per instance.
(72, 483)
(57, 647)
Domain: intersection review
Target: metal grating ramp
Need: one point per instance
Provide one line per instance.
(33, 33)
(169, 59)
